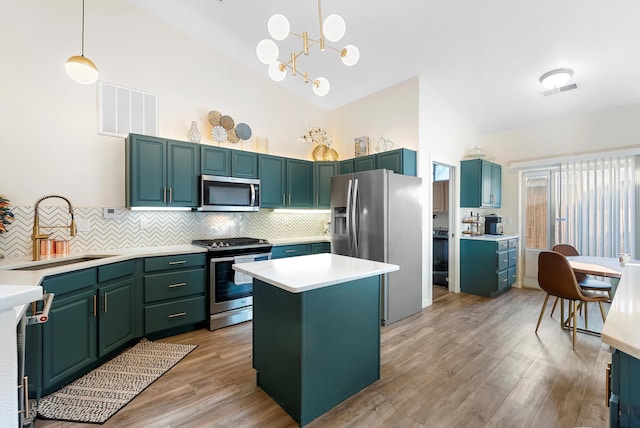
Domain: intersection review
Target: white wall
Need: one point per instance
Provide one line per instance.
(48, 123)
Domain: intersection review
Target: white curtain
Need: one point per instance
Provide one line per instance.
(596, 205)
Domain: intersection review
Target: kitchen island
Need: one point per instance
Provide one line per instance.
(316, 329)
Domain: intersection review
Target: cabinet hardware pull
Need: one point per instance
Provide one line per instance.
(95, 304)
(289, 199)
(164, 194)
(180, 284)
(25, 396)
(170, 194)
(290, 251)
(179, 314)
(179, 262)
(105, 302)
(608, 383)
(283, 197)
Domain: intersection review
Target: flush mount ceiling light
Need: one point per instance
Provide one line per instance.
(80, 68)
(556, 78)
(332, 29)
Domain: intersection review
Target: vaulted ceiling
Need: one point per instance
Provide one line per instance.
(485, 56)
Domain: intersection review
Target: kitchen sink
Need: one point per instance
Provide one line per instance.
(56, 263)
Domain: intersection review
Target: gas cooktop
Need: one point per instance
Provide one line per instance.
(218, 244)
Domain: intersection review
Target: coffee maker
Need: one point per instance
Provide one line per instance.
(493, 225)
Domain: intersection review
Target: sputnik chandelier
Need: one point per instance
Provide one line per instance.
(331, 29)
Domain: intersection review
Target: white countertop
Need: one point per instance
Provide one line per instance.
(488, 237)
(17, 297)
(620, 330)
(304, 273)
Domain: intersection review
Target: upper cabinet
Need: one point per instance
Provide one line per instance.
(400, 161)
(285, 183)
(227, 162)
(480, 184)
(161, 172)
(440, 196)
(323, 171)
(299, 183)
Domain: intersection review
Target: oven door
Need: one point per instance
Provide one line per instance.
(228, 289)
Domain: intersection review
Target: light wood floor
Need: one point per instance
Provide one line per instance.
(466, 361)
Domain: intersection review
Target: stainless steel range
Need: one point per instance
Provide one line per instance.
(231, 292)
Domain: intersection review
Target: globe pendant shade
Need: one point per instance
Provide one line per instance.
(321, 86)
(334, 28)
(350, 55)
(81, 69)
(278, 26)
(267, 51)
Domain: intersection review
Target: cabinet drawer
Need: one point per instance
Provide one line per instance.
(290, 251)
(513, 243)
(115, 270)
(503, 280)
(503, 245)
(503, 260)
(175, 284)
(320, 247)
(165, 316)
(179, 261)
(513, 257)
(511, 272)
(72, 281)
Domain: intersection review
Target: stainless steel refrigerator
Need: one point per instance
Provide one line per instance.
(377, 215)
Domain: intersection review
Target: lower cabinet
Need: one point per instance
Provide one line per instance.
(487, 267)
(174, 292)
(623, 389)
(282, 251)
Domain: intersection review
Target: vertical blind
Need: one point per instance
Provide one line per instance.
(595, 205)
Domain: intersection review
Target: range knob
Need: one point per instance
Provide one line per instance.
(226, 244)
(214, 245)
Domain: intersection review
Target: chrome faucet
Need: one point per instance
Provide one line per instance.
(37, 236)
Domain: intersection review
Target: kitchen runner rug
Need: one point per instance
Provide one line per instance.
(99, 394)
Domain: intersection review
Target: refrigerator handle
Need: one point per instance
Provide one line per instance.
(349, 208)
(355, 218)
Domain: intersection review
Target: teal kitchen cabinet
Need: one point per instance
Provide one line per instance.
(400, 161)
(364, 163)
(161, 172)
(624, 390)
(320, 247)
(282, 251)
(323, 171)
(481, 184)
(244, 164)
(116, 325)
(174, 293)
(346, 166)
(285, 183)
(215, 161)
(486, 265)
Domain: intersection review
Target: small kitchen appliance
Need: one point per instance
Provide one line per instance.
(231, 292)
(493, 224)
(229, 193)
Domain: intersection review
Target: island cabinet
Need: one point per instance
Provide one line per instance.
(161, 172)
(487, 266)
(480, 184)
(90, 319)
(285, 183)
(174, 293)
(623, 390)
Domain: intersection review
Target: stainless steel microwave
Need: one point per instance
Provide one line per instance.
(229, 193)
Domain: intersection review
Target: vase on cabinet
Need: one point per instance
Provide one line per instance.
(194, 135)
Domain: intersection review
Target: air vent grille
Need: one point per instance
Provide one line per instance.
(559, 89)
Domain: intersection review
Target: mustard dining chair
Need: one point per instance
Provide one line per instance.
(556, 277)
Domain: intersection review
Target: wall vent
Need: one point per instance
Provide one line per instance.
(123, 110)
(559, 89)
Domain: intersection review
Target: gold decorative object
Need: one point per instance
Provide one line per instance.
(318, 153)
(331, 29)
(330, 155)
(227, 122)
(214, 118)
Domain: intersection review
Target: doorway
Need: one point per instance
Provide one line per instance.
(442, 225)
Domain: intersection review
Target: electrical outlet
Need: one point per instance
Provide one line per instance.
(144, 223)
(83, 225)
(110, 213)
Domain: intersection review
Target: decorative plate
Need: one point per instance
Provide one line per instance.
(243, 131)
(214, 118)
(219, 134)
(226, 122)
(232, 137)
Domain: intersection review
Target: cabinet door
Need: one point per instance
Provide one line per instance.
(496, 185)
(400, 161)
(69, 338)
(438, 197)
(215, 161)
(146, 171)
(364, 163)
(487, 185)
(272, 172)
(299, 183)
(116, 325)
(322, 183)
(346, 166)
(244, 164)
(182, 171)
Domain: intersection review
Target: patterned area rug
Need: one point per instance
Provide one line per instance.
(98, 395)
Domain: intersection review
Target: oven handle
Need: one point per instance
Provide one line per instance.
(232, 258)
(253, 196)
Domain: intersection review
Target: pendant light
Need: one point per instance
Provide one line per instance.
(80, 68)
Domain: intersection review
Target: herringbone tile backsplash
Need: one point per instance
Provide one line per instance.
(163, 228)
